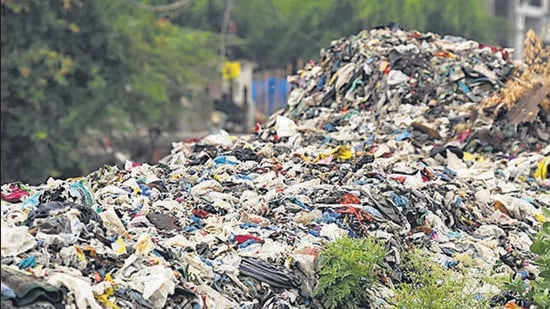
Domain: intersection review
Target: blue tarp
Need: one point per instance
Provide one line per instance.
(270, 94)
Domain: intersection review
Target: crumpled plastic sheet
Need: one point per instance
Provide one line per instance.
(380, 137)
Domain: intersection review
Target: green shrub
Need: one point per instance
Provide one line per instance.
(541, 246)
(537, 291)
(348, 267)
(428, 285)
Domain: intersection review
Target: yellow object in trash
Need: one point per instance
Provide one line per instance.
(473, 157)
(80, 254)
(542, 169)
(119, 246)
(144, 245)
(341, 153)
(540, 218)
(107, 293)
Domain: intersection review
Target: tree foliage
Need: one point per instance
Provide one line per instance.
(165, 60)
(72, 66)
(58, 66)
(274, 32)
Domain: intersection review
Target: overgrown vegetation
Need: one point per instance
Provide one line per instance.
(429, 285)
(537, 291)
(348, 267)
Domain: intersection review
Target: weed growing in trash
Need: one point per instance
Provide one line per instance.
(536, 291)
(429, 285)
(348, 267)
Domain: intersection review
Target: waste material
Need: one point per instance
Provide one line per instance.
(384, 135)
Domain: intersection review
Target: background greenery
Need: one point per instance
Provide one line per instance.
(74, 70)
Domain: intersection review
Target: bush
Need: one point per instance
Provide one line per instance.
(537, 291)
(428, 285)
(540, 291)
(348, 267)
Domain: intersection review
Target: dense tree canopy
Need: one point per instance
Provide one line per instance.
(274, 32)
(72, 66)
(58, 67)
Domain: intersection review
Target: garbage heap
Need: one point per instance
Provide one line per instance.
(386, 135)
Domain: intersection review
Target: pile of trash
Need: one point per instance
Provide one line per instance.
(419, 87)
(385, 135)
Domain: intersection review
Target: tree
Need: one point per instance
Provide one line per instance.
(57, 68)
(466, 18)
(72, 66)
(274, 32)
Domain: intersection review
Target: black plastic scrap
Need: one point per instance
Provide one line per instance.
(274, 275)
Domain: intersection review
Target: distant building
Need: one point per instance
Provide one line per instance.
(523, 15)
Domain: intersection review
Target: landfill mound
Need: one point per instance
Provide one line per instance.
(429, 89)
(387, 135)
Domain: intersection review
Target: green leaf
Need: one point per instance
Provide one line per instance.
(545, 274)
(546, 228)
(538, 247)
